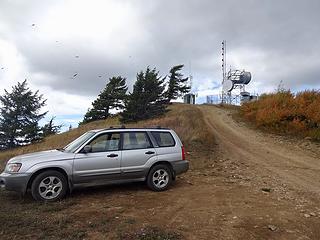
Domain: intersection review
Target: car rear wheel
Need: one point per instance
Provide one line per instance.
(159, 178)
(49, 186)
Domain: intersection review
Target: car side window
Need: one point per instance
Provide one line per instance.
(163, 139)
(105, 142)
(135, 140)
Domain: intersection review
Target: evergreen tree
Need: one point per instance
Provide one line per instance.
(177, 84)
(146, 100)
(20, 114)
(50, 129)
(111, 97)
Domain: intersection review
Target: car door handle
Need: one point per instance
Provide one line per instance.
(150, 152)
(112, 155)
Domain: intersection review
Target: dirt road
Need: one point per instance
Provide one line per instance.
(249, 185)
(285, 169)
(293, 165)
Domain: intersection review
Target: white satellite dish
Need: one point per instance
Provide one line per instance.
(227, 86)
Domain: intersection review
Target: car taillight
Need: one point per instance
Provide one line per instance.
(183, 153)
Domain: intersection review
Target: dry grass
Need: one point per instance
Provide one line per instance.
(185, 120)
(285, 112)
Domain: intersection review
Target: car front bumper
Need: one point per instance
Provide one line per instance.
(180, 166)
(14, 182)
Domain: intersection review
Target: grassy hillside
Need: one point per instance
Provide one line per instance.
(286, 113)
(186, 120)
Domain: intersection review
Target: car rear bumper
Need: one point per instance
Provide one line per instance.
(14, 182)
(180, 166)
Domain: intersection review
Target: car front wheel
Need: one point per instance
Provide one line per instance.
(49, 186)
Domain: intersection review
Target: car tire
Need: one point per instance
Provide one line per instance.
(49, 186)
(159, 178)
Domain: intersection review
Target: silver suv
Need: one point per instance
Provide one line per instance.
(154, 155)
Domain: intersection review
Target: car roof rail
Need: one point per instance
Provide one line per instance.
(144, 127)
(117, 127)
(156, 127)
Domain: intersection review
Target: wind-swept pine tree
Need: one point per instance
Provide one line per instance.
(19, 116)
(146, 100)
(111, 97)
(49, 128)
(177, 84)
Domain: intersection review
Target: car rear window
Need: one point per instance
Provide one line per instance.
(163, 139)
(135, 140)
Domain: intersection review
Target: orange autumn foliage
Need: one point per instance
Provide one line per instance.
(285, 112)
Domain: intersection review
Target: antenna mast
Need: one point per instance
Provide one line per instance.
(224, 60)
(232, 80)
(224, 71)
(190, 76)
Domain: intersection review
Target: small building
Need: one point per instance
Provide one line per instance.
(189, 98)
(247, 97)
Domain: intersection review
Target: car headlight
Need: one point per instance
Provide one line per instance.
(13, 167)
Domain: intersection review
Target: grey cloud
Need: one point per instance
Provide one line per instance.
(181, 32)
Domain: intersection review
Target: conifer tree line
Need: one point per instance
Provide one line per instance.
(20, 108)
(149, 98)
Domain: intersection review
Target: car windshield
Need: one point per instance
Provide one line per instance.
(73, 146)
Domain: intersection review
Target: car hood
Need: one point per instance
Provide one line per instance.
(43, 156)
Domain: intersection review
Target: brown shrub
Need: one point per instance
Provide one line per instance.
(284, 112)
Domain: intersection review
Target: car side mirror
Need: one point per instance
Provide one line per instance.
(87, 149)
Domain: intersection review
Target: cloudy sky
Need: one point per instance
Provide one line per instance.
(48, 42)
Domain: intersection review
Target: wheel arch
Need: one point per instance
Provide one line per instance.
(58, 169)
(163, 163)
